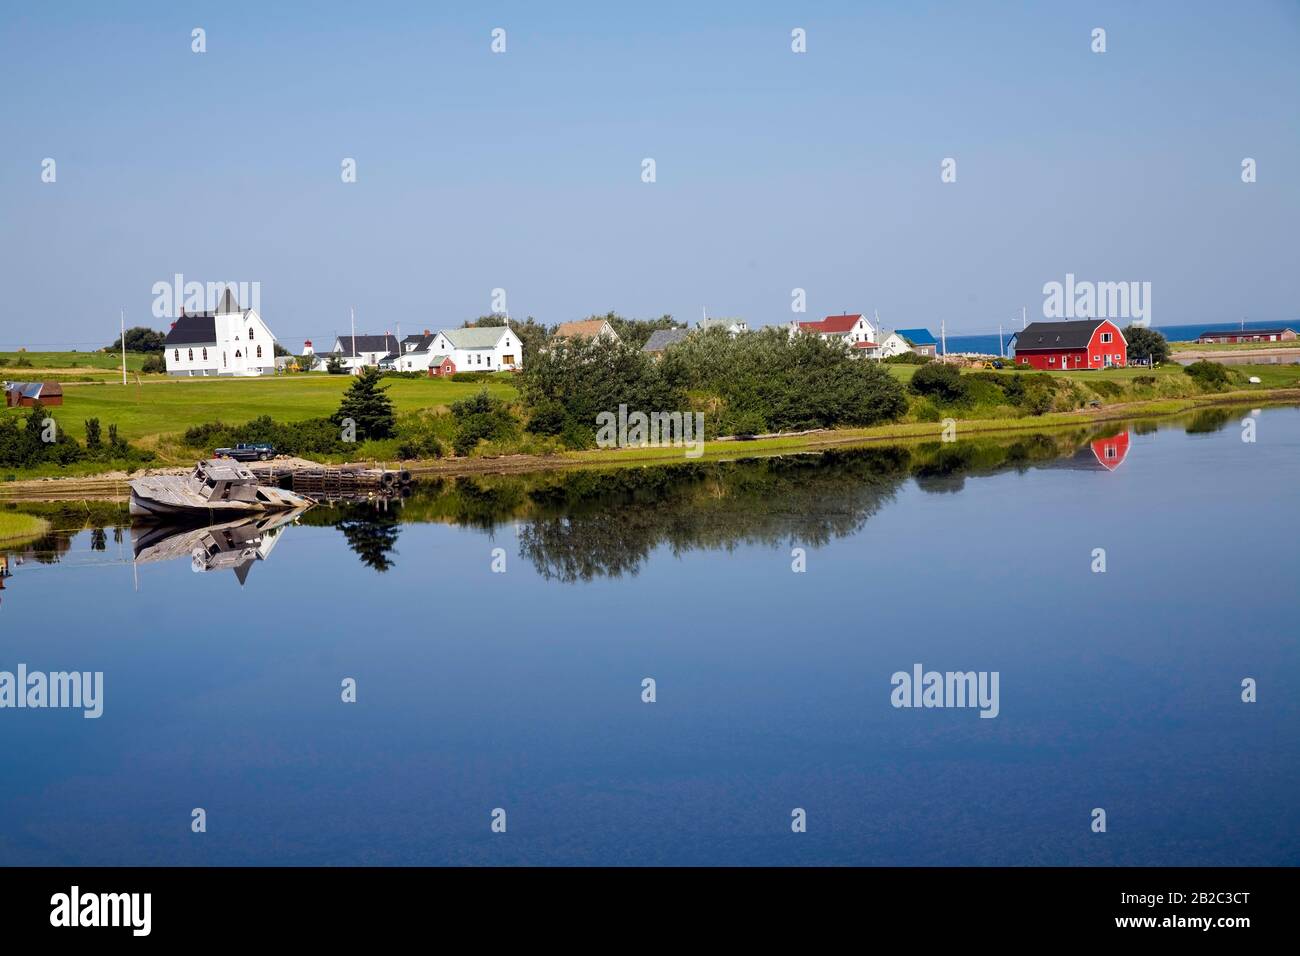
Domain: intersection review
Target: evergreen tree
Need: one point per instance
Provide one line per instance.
(368, 405)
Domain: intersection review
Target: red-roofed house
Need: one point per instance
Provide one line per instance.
(851, 329)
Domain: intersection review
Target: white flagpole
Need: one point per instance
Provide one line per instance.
(121, 318)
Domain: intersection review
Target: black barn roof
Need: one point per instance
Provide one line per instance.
(1057, 335)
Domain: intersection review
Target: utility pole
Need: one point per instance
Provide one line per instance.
(1024, 323)
(943, 337)
(121, 321)
(353, 313)
(1002, 352)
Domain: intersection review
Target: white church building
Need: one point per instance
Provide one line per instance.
(229, 341)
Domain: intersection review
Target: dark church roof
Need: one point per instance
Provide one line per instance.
(200, 328)
(197, 329)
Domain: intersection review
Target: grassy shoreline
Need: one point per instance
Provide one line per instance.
(115, 487)
(16, 527)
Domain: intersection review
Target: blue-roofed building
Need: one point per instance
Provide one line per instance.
(922, 342)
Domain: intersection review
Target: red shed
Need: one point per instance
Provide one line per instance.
(441, 366)
(1061, 346)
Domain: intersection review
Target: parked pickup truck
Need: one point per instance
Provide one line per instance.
(257, 451)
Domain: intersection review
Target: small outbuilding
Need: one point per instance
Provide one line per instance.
(441, 366)
(27, 394)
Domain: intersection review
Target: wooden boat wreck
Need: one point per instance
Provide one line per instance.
(217, 487)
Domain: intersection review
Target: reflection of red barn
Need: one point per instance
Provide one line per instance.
(1081, 344)
(1111, 451)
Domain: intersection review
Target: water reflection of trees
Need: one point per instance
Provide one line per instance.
(607, 523)
(1209, 420)
(372, 535)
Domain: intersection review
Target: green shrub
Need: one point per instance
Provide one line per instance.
(926, 411)
(1037, 401)
(154, 364)
(548, 418)
(909, 358)
(482, 418)
(1209, 375)
(940, 381)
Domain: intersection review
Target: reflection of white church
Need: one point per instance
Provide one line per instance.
(229, 341)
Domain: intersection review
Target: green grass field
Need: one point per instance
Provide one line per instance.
(63, 365)
(160, 406)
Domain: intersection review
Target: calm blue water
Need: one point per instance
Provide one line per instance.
(988, 344)
(522, 689)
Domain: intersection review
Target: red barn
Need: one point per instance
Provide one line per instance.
(1061, 346)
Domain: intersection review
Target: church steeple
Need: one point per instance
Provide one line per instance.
(228, 303)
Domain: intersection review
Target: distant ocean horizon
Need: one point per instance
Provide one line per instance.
(988, 344)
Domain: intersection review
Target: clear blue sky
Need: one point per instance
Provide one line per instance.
(522, 170)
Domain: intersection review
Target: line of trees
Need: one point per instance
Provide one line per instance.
(764, 381)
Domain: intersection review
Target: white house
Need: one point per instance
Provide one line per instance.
(483, 349)
(891, 344)
(851, 329)
(359, 351)
(229, 341)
